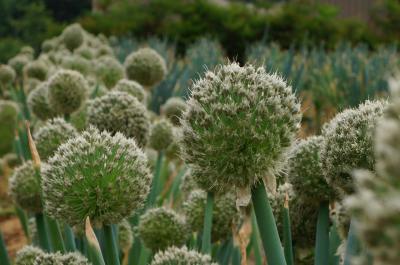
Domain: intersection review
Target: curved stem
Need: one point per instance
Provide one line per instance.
(206, 238)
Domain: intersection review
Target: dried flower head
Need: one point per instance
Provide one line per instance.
(145, 66)
(160, 228)
(120, 112)
(239, 126)
(67, 91)
(25, 188)
(173, 109)
(51, 135)
(98, 175)
(349, 144)
(181, 256)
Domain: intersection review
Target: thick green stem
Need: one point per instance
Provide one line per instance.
(69, 239)
(4, 259)
(287, 237)
(156, 179)
(55, 236)
(322, 238)
(353, 244)
(206, 238)
(42, 232)
(256, 239)
(334, 243)
(23, 220)
(111, 249)
(267, 226)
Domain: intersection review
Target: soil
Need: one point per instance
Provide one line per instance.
(13, 234)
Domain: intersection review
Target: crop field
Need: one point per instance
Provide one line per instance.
(117, 150)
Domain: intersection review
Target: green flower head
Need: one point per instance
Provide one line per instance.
(173, 109)
(131, 87)
(349, 144)
(25, 189)
(239, 126)
(67, 91)
(181, 256)
(161, 135)
(109, 71)
(7, 74)
(160, 228)
(36, 69)
(38, 102)
(120, 112)
(125, 235)
(18, 62)
(51, 135)
(8, 120)
(27, 255)
(77, 63)
(97, 175)
(73, 36)
(145, 66)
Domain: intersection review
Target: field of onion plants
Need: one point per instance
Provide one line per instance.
(122, 152)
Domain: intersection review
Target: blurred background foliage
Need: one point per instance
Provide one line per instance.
(295, 23)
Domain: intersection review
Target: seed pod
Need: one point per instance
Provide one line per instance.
(25, 188)
(239, 126)
(67, 91)
(133, 88)
(38, 102)
(160, 228)
(98, 175)
(119, 112)
(50, 136)
(161, 135)
(349, 144)
(145, 66)
(181, 256)
(173, 109)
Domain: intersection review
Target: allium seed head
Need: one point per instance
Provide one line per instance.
(67, 91)
(27, 255)
(145, 66)
(161, 135)
(174, 149)
(36, 69)
(73, 36)
(50, 136)
(109, 71)
(225, 214)
(181, 256)
(8, 120)
(160, 228)
(7, 74)
(173, 109)
(120, 112)
(98, 175)
(131, 87)
(85, 52)
(25, 187)
(239, 126)
(27, 51)
(77, 63)
(38, 102)
(125, 235)
(349, 144)
(305, 171)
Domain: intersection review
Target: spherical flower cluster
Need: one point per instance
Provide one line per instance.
(109, 71)
(27, 51)
(77, 63)
(160, 228)
(239, 126)
(7, 74)
(349, 144)
(49, 45)
(50, 136)
(131, 87)
(25, 188)
(188, 183)
(18, 62)
(73, 258)
(27, 255)
(173, 109)
(120, 112)
(36, 69)
(8, 121)
(67, 91)
(97, 175)
(85, 52)
(174, 149)
(225, 213)
(181, 256)
(125, 235)
(145, 66)
(72, 36)
(38, 102)
(305, 171)
(161, 135)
